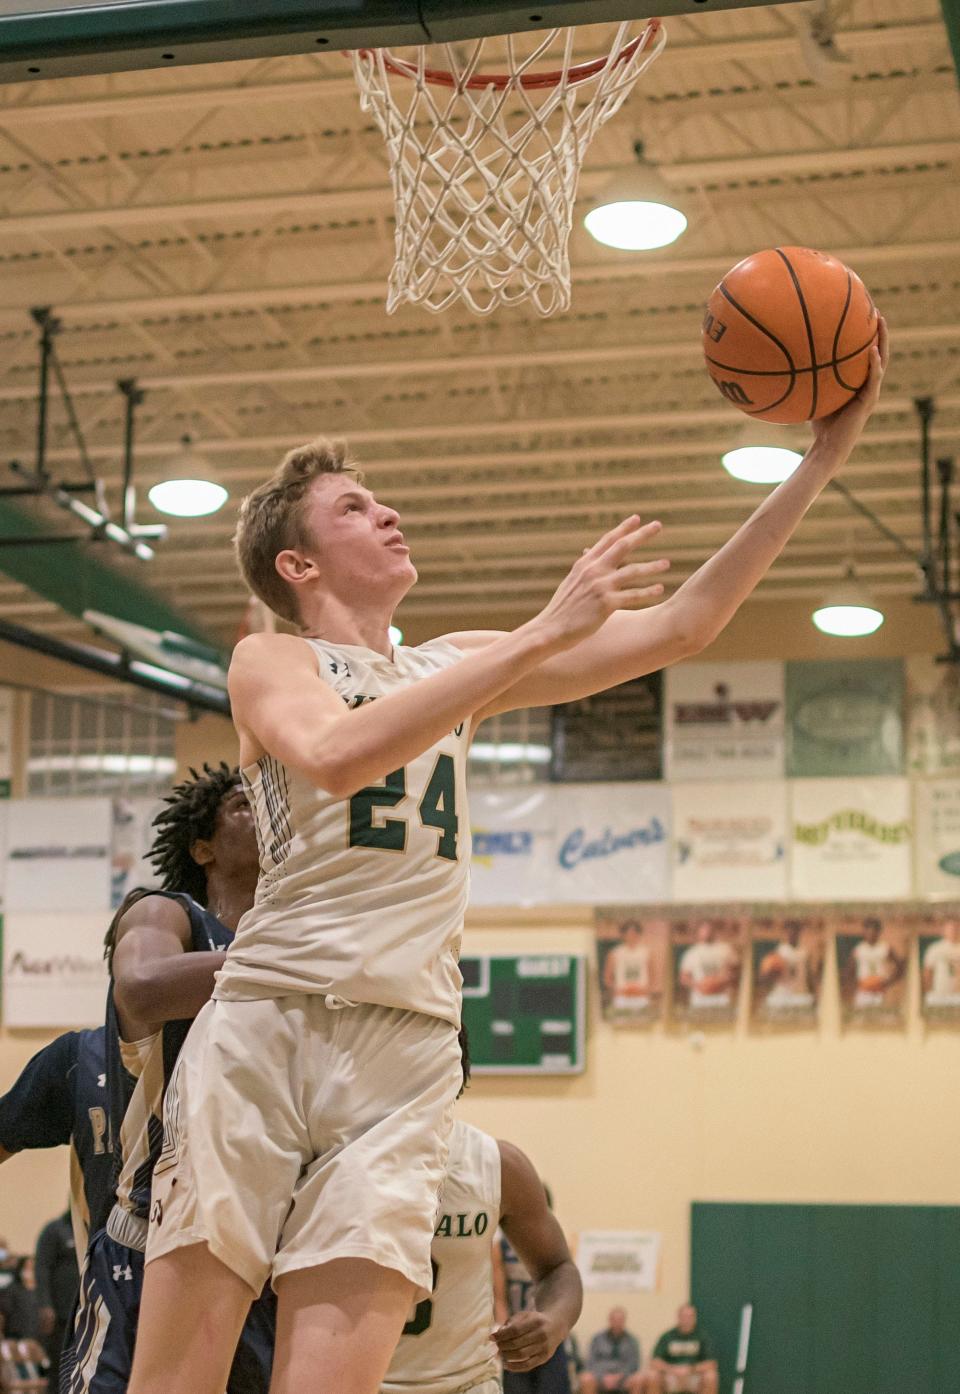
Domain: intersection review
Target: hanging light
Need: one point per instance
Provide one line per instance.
(848, 611)
(192, 489)
(637, 211)
(764, 453)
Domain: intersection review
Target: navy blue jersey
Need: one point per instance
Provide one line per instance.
(60, 1099)
(138, 1072)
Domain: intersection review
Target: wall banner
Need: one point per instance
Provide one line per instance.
(787, 958)
(632, 963)
(933, 716)
(619, 1260)
(850, 839)
(132, 836)
(937, 840)
(725, 720)
(706, 956)
(845, 718)
(872, 945)
(54, 973)
(938, 947)
(58, 854)
(612, 844)
(730, 841)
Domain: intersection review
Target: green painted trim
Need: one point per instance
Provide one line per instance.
(951, 18)
(77, 579)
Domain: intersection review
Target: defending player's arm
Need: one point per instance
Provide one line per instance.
(37, 1110)
(156, 978)
(529, 1338)
(282, 706)
(628, 646)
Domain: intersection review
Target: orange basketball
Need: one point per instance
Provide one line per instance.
(787, 334)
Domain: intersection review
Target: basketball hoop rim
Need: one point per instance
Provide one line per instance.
(481, 82)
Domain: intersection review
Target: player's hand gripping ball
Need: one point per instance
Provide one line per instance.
(772, 965)
(787, 334)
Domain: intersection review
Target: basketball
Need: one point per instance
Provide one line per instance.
(772, 964)
(787, 334)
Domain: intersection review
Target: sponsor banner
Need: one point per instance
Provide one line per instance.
(632, 963)
(845, 718)
(514, 834)
(612, 844)
(54, 974)
(616, 734)
(938, 837)
(787, 958)
(58, 854)
(725, 720)
(873, 945)
(933, 716)
(850, 839)
(619, 1260)
(730, 840)
(132, 836)
(938, 947)
(706, 955)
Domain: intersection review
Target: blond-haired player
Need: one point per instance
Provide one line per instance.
(308, 1122)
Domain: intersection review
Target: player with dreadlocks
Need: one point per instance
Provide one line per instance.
(163, 948)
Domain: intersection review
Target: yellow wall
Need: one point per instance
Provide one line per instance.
(660, 1119)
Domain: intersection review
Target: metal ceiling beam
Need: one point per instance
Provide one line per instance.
(21, 115)
(614, 267)
(443, 366)
(685, 174)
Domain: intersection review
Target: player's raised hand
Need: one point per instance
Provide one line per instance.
(605, 579)
(841, 430)
(527, 1340)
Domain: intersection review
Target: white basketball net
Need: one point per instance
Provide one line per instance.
(485, 169)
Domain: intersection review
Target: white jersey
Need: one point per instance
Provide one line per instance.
(446, 1346)
(792, 988)
(631, 974)
(872, 960)
(706, 961)
(942, 961)
(362, 898)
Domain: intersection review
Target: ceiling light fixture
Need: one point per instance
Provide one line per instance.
(192, 489)
(848, 611)
(637, 211)
(764, 453)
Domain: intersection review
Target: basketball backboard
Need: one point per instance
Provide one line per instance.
(62, 38)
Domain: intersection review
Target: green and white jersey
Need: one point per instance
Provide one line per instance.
(446, 1344)
(362, 898)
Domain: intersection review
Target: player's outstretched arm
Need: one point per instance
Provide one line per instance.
(155, 976)
(529, 1339)
(37, 1109)
(283, 708)
(630, 645)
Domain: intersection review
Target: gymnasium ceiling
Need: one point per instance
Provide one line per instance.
(224, 233)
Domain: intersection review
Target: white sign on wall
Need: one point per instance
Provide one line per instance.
(58, 854)
(54, 973)
(725, 720)
(852, 839)
(619, 1260)
(513, 832)
(612, 844)
(938, 838)
(730, 841)
(132, 837)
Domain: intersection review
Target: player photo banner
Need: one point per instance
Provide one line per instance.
(787, 957)
(706, 947)
(730, 840)
(873, 947)
(938, 838)
(632, 963)
(851, 839)
(938, 948)
(845, 718)
(725, 721)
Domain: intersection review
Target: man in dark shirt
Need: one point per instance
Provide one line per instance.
(683, 1360)
(614, 1360)
(57, 1278)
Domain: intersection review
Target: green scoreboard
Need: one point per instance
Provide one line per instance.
(525, 1013)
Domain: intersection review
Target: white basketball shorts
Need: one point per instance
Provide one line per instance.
(300, 1129)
